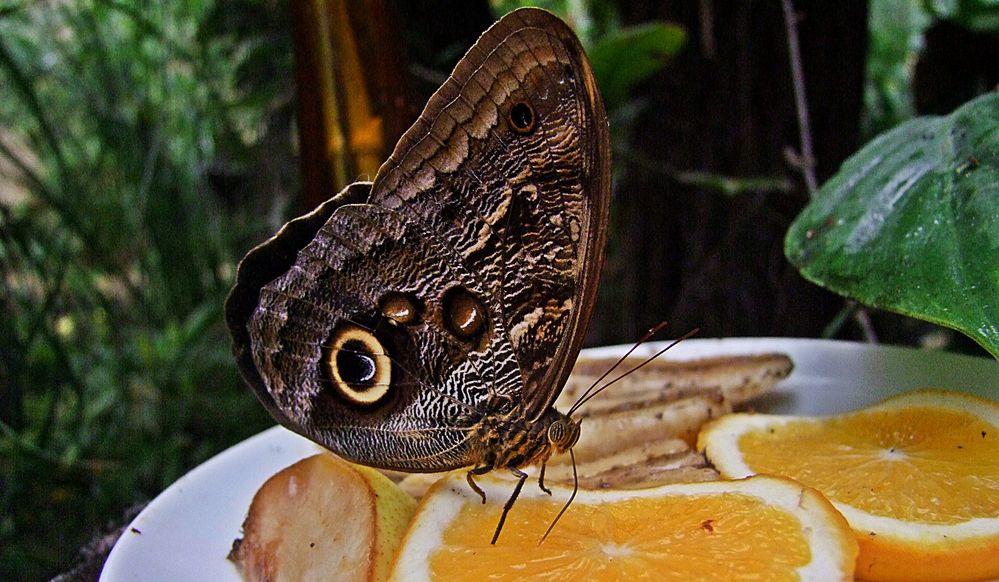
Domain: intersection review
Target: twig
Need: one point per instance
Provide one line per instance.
(863, 320)
(833, 328)
(807, 158)
(858, 313)
(708, 29)
(806, 163)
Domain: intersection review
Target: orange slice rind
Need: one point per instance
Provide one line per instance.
(916, 476)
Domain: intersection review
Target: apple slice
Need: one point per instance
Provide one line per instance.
(323, 519)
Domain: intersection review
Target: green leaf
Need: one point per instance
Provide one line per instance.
(895, 33)
(625, 57)
(910, 223)
(980, 15)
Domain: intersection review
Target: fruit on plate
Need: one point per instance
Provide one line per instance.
(916, 476)
(323, 519)
(763, 528)
(640, 432)
(329, 519)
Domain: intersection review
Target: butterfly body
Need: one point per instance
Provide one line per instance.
(427, 320)
(512, 441)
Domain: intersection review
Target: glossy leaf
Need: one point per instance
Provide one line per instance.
(628, 56)
(910, 223)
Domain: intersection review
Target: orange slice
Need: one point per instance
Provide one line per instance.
(917, 477)
(763, 528)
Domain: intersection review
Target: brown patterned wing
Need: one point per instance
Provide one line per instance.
(510, 163)
(260, 266)
(394, 319)
(356, 348)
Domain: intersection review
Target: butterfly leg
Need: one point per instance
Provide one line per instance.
(521, 477)
(470, 477)
(541, 479)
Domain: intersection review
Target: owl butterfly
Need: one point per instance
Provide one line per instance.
(427, 320)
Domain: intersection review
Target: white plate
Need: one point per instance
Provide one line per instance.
(187, 531)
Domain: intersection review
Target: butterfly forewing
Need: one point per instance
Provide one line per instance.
(510, 162)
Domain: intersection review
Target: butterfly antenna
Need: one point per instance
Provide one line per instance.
(648, 335)
(648, 360)
(575, 488)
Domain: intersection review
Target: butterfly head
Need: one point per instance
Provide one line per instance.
(563, 434)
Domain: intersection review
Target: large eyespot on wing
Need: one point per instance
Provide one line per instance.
(358, 366)
(510, 163)
(266, 262)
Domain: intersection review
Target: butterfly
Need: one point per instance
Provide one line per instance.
(427, 320)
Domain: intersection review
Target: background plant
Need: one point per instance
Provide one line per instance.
(908, 223)
(126, 131)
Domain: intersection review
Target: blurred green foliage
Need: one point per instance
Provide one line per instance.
(119, 122)
(897, 29)
(980, 15)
